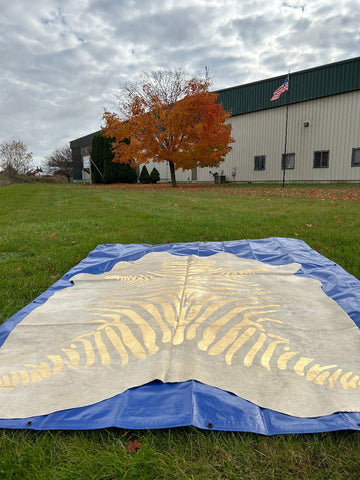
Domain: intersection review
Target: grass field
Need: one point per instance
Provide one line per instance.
(46, 229)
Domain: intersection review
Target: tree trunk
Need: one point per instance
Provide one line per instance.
(172, 174)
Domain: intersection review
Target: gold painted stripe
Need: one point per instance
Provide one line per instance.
(127, 278)
(57, 361)
(316, 369)
(269, 352)
(169, 306)
(88, 348)
(301, 364)
(284, 358)
(43, 368)
(35, 376)
(346, 383)
(194, 303)
(6, 381)
(239, 342)
(320, 379)
(267, 319)
(190, 313)
(224, 283)
(235, 290)
(15, 378)
(247, 272)
(149, 336)
(104, 354)
(73, 355)
(211, 331)
(24, 376)
(222, 344)
(228, 338)
(130, 340)
(118, 344)
(10, 384)
(153, 310)
(249, 357)
(334, 377)
(218, 323)
(127, 336)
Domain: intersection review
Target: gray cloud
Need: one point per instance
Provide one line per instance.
(62, 61)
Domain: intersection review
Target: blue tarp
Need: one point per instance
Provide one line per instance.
(160, 405)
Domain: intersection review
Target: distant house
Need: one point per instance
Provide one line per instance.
(322, 138)
(38, 172)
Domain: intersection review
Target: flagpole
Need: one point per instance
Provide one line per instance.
(286, 129)
(283, 88)
(286, 132)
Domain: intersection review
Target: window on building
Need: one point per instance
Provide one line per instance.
(355, 158)
(288, 159)
(321, 159)
(259, 162)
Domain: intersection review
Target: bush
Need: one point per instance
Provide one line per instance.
(100, 148)
(154, 175)
(144, 175)
(124, 173)
(108, 171)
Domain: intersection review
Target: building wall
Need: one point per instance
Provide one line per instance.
(334, 126)
(80, 148)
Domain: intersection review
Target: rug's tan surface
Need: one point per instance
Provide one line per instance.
(253, 329)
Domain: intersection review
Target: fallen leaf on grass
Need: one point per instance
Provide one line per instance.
(133, 446)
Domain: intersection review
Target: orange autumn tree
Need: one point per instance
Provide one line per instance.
(165, 117)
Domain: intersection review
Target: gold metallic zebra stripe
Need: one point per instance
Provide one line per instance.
(180, 303)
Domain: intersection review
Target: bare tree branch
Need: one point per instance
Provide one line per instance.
(14, 156)
(60, 162)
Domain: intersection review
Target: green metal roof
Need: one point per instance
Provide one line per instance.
(83, 141)
(331, 79)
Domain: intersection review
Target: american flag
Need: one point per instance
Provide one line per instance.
(283, 88)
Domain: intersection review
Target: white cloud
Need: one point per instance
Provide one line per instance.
(61, 61)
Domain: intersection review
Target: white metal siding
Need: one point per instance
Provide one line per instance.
(334, 125)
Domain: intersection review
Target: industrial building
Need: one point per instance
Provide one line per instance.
(310, 134)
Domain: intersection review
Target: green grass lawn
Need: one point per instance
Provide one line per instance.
(47, 229)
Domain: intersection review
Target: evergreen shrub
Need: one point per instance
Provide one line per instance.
(144, 175)
(108, 171)
(154, 175)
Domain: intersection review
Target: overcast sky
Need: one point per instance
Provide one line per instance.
(61, 61)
